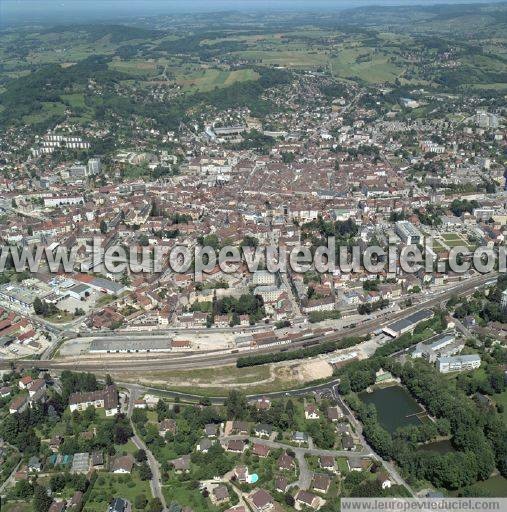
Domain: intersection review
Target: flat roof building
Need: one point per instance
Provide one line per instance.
(407, 324)
(458, 363)
(408, 233)
(128, 345)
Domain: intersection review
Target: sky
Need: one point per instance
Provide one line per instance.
(15, 11)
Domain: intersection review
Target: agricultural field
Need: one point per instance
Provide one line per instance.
(209, 79)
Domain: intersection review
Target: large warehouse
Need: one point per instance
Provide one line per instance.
(407, 324)
(128, 345)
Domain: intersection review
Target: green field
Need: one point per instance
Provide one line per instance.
(135, 67)
(48, 110)
(108, 486)
(75, 99)
(365, 64)
(208, 79)
(286, 58)
(501, 399)
(184, 495)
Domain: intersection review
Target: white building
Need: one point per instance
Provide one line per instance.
(458, 363)
(105, 398)
(409, 233)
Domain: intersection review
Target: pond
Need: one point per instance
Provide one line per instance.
(395, 407)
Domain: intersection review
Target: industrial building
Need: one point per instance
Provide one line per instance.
(125, 344)
(407, 324)
(441, 346)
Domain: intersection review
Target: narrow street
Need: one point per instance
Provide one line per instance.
(10, 480)
(156, 477)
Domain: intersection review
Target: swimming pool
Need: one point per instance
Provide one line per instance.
(253, 478)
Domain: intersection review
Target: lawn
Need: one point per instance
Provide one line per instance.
(16, 506)
(342, 465)
(501, 398)
(75, 99)
(183, 494)
(130, 447)
(449, 237)
(108, 486)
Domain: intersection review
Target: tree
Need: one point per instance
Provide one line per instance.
(103, 226)
(141, 455)
(344, 386)
(155, 505)
(22, 490)
(57, 482)
(288, 157)
(236, 405)
(140, 501)
(41, 501)
(289, 499)
(249, 241)
(38, 306)
(145, 472)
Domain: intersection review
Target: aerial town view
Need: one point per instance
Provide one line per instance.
(253, 255)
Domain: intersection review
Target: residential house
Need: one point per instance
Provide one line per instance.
(76, 501)
(311, 412)
(106, 398)
(34, 464)
(19, 404)
(5, 391)
(236, 446)
(181, 464)
(241, 473)
(119, 505)
(204, 445)
(384, 480)
(348, 442)
(219, 495)
(300, 437)
(263, 430)
(361, 464)
(122, 464)
(263, 404)
(261, 450)
(285, 462)
(328, 463)
(281, 484)
(57, 506)
(211, 429)
(321, 483)
(165, 426)
(261, 500)
(25, 382)
(334, 413)
(307, 499)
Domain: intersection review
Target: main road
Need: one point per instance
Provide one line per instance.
(181, 361)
